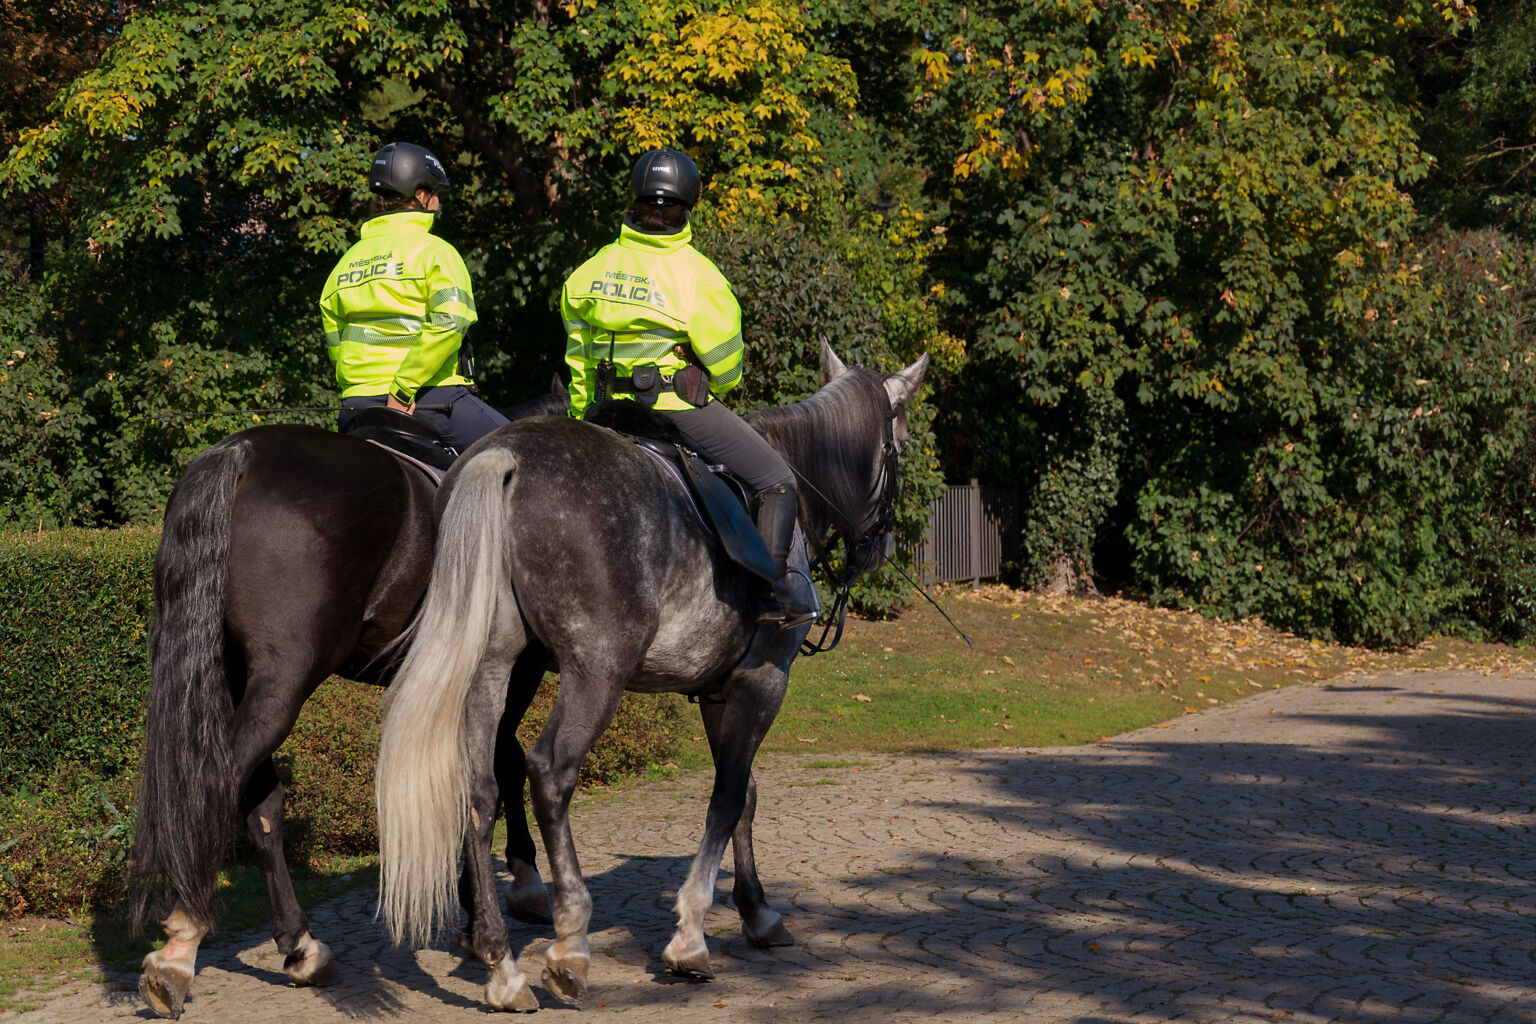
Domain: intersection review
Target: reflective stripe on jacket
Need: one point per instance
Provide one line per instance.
(396, 308)
(639, 300)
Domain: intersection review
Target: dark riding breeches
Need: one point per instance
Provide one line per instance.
(720, 436)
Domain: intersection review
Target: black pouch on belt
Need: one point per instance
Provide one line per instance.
(647, 384)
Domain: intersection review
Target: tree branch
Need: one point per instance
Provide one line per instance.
(504, 151)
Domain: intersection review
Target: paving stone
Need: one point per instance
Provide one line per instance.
(1357, 852)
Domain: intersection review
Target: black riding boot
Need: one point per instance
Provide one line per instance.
(776, 510)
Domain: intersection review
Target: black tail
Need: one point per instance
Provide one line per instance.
(186, 786)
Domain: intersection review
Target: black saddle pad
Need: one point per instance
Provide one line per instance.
(723, 505)
(405, 434)
(722, 500)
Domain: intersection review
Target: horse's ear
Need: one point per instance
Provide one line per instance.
(557, 386)
(831, 366)
(903, 384)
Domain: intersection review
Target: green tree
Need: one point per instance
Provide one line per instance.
(226, 144)
(1478, 95)
(1175, 235)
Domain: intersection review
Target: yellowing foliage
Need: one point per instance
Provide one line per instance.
(739, 80)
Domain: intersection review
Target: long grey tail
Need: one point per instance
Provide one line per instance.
(186, 784)
(421, 781)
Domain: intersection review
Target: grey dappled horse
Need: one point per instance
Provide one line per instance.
(561, 539)
(289, 553)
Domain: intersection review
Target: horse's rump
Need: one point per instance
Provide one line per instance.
(357, 521)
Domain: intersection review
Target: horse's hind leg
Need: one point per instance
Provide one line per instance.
(484, 712)
(306, 960)
(760, 923)
(586, 705)
(168, 971)
(527, 898)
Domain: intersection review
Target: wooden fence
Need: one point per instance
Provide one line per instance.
(972, 532)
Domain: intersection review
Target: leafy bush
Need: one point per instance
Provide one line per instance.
(1388, 506)
(64, 844)
(72, 685)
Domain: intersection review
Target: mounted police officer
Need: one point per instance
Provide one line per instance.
(650, 318)
(398, 305)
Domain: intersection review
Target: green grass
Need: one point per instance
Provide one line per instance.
(1044, 671)
(42, 954)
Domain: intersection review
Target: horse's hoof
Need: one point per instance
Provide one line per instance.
(691, 962)
(530, 904)
(310, 964)
(567, 982)
(767, 930)
(507, 989)
(164, 985)
(467, 943)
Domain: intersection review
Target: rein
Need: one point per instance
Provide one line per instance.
(884, 522)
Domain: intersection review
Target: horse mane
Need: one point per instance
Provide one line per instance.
(827, 439)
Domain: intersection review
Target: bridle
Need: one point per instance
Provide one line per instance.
(857, 550)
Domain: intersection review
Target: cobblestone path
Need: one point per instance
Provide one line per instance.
(1358, 852)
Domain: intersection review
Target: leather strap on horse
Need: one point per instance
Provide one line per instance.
(884, 522)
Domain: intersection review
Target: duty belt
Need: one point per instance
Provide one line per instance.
(691, 383)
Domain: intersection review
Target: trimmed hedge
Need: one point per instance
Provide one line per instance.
(74, 662)
(73, 674)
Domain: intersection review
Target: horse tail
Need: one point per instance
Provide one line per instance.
(186, 783)
(421, 780)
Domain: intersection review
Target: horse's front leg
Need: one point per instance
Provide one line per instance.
(760, 923)
(735, 727)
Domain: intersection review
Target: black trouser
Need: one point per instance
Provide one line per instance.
(462, 416)
(720, 436)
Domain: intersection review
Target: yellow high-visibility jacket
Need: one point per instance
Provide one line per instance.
(396, 308)
(650, 300)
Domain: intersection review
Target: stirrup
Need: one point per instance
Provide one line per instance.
(770, 610)
(780, 608)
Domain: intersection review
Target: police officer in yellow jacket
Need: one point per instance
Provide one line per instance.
(651, 318)
(397, 307)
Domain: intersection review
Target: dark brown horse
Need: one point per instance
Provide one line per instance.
(561, 538)
(288, 554)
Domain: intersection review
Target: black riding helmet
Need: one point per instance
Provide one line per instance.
(401, 168)
(665, 174)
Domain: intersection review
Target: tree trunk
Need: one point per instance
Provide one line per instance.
(1066, 576)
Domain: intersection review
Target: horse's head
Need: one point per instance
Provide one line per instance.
(881, 404)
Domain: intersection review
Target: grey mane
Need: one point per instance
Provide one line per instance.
(816, 437)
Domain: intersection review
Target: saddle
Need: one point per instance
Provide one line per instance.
(414, 440)
(720, 499)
